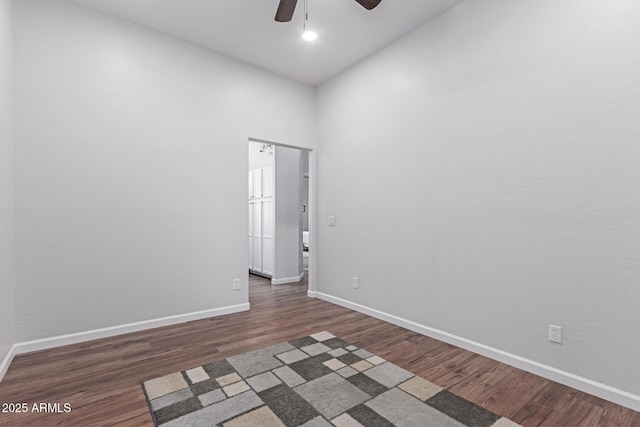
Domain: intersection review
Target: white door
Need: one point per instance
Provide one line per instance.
(267, 236)
(257, 183)
(257, 237)
(251, 184)
(267, 181)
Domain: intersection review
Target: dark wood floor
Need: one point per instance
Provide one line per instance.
(101, 379)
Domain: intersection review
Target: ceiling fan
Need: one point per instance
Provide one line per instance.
(287, 7)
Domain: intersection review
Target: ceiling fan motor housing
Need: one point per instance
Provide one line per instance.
(287, 7)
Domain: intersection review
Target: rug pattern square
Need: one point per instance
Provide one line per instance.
(314, 381)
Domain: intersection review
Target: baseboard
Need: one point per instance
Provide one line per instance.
(46, 343)
(286, 280)
(603, 391)
(4, 366)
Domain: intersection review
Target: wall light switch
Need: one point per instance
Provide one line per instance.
(331, 221)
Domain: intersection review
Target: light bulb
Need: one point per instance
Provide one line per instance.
(309, 36)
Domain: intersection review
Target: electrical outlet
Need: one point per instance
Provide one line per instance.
(356, 283)
(236, 284)
(555, 334)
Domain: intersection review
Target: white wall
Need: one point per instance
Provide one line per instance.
(6, 181)
(288, 217)
(484, 174)
(131, 169)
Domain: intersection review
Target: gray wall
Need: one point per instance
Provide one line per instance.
(305, 190)
(288, 237)
(6, 180)
(132, 169)
(483, 172)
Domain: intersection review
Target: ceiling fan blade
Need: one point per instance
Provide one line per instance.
(369, 4)
(285, 10)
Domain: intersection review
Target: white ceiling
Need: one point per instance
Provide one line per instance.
(246, 29)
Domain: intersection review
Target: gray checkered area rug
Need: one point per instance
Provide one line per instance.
(314, 381)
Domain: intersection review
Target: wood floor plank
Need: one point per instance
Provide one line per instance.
(101, 379)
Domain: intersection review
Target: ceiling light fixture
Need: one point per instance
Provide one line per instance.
(308, 35)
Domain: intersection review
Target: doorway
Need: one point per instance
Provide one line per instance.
(279, 232)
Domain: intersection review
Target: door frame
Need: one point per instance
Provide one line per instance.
(313, 185)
